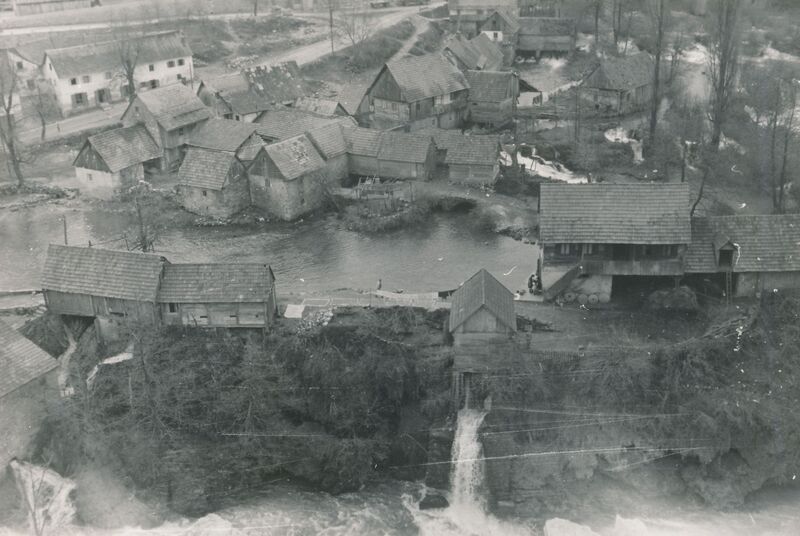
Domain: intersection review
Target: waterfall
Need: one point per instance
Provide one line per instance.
(466, 476)
(46, 497)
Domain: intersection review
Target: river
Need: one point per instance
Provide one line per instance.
(309, 257)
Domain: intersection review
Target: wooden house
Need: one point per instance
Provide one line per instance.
(493, 96)
(500, 27)
(545, 35)
(289, 178)
(746, 254)
(473, 160)
(363, 145)
(482, 311)
(114, 160)
(218, 295)
(406, 156)
(107, 285)
(213, 183)
(235, 137)
(330, 142)
(592, 233)
(283, 123)
(170, 115)
(621, 85)
(466, 16)
(353, 98)
(323, 107)
(418, 92)
(469, 55)
(28, 381)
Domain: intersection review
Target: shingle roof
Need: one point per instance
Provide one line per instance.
(489, 86)
(404, 147)
(295, 157)
(216, 283)
(766, 243)
(205, 168)
(546, 26)
(102, 57)
(462, 149)
(363, 141)
(318, 106)
(21, 361)
(329, 139)
(221, 134)
(626, 73)
(510, 19)
(614, 213)
(421, 77)
(121, 148)
(483, 290)
(489, 49)
(174, 106)
(466, 52)
(351, 96)
(102, 272)
(250, 148)
(284, 123)
(278, 84)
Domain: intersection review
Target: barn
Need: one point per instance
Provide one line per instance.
(545, 35)
(472, 160)
(621, 85)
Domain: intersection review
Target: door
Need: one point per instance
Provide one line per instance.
(102, 96)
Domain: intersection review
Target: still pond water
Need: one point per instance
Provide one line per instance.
(307, 257)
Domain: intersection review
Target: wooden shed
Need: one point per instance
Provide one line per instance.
(406, 156)
(545, 35)
(493, 96)
(621, 85)
(363, 145)
(330, 141)
(218, 295)
(482, 310)
(473, 160)
(213, 183)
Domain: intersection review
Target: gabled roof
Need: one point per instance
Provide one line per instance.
(216, 283)
(221, 134)
(462, 149)
(509, 18)
(121, 148)
(173, 106)
(295, 157)
(546, 26)
(325, 107)
(483, 290)
(21, 361)
(405, 147)
(465, 51)
(250, 148)
(489, 49)
(282, 83)
(363, 141)
(351, 96)
(329, 140)
(490, 86)
(91, 58)
(205, 168)
(625, 73)
(422, 77)
(102, 272)
(766, 243)
(283, 123)
(614, 213)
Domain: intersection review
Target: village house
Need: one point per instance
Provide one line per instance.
(36, 7)
(621, 85)
(500, 27)
(353, 98)
(236, 137)
(114, 160)
(466, 15)
(170, 114)
(330, 141)
(595, 235)
(213, 183)
(9, 84)
(545, 35)
(418, 92)
(468, 54)
(29, 81)
(473, 160)
(289, 178)
(323, 107)
(746, 254)
(92, 74)
(218, 295)
(28, 380)
(493, 96)
(363, 145)
(283, 123)
(406, 156)
(107, 285)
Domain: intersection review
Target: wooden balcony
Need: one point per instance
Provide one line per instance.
(647, 267)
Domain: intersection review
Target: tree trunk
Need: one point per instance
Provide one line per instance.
(657, 71)
(597, 5)
(772, 164)
(255, 8)
(699, 193)
(786, 138)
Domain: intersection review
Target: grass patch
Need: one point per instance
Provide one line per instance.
(439, 12)
(248, 29)
(428, 41)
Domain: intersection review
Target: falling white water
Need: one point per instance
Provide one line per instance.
(46, 497)
(620, 135)
(466, 478)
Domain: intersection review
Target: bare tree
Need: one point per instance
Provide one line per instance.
(658, 16)
(9, 81)
(128, 48)
(788, 135)
(723, 63)
(356, 26)
(598, 9)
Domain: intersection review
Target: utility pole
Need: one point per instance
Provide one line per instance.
(330, 21)
(64, 221)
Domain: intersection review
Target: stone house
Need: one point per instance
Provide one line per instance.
(89, 75)
(593, 234)
(545, 35)
(323, 107)
(218, 295)
(108, 285)
(170, 114)
(28, 380)
(746, 254)
(237, 137)
(493, 96)
(620, 85)
(472, 160)
(283, 123)
(289, 178)
(330, 141)
(467, 15)
(468, 54)
(418, 92)
(114, 160)
(213, 183)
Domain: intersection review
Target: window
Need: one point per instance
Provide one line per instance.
(495, 35)
(173, 307)
(151, 67)
(171, 64)
(725, 258)
(73, 81)
(565, 249)
(181, 62)
(79, 99)
(86, 79)
(153, 84)
(588, 249)
(108, 75)
(181, 131)
(89, 176)
(180, 78)
(50, 65)
(20, 65)
(205, 193)
(31, 84)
